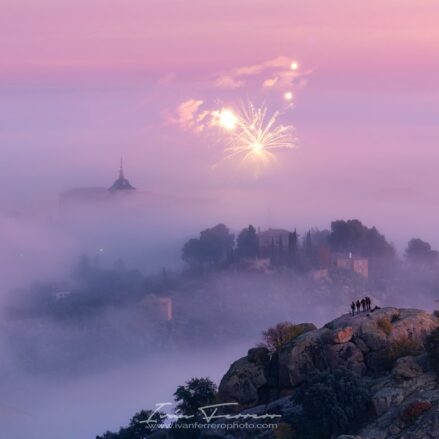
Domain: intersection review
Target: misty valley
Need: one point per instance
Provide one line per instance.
(106, 319)
(219, 219)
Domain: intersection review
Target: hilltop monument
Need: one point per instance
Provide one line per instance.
(84, 195)
(122, 183)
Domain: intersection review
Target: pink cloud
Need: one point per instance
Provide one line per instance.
(187, 116)
(228, 81)
(280, 74)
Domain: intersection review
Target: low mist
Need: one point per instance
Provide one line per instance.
(81, 348)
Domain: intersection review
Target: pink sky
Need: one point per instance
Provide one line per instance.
(374, 39)
(81, 83)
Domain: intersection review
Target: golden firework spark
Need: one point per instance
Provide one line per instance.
(226, 119)
(288, 96)
(252, 134)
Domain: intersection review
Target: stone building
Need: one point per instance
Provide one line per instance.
(352, 263)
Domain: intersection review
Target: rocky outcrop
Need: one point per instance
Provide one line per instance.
(406, 368)
(343, 335)
(254, 379)
(385, 346)
(366, 344)
(245, 378)
(404, 394)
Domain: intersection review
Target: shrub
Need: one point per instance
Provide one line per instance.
(385, 325)
(385, 359)
(277, 336)
(332, 403)
(404, 346)
(414, 410)
(432, 345)
(196, 393)
(137, 429)
(284, 431)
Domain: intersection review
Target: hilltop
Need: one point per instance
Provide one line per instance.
(379, 356)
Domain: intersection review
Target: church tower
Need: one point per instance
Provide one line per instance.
(122, 183)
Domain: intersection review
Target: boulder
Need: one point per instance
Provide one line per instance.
(375, 340)
(370, 334)
(406, 368)
(361, 343)
(426, 425)
(259, 355)
(404, 394)
(307, 353)
(414, 325)
(347, 355)
(389, 393)
(343, 335)
(386, 398)
(243, 382)
(305, 327)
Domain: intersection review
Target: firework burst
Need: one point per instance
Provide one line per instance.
(252, 135)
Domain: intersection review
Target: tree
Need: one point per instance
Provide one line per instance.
(138, 429)
(214, 246)
(248, 243)
(193, 252)
(353, 236)
(419, 251)
(345, 235)
(339, 400)
(196, 393)
(321, 252)
(292, 248)
(217, 243)
(320, 237)
(277, 336)
(308, 247)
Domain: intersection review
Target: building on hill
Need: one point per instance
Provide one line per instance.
(355, 264)
(158, 308)
(122, 183)
(270, 236)
(86, 195)
(120, 192)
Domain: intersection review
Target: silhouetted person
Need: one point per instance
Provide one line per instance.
(363, 304)
(368, 303)
(358, 306)
(353, 308)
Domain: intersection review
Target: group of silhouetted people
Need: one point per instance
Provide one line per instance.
(361, 305)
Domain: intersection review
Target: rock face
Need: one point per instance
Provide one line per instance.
(343, 335)
(365, 343)
(404, 391)
(385, 346)
(406, 368)
(254, 379)
(245, 378)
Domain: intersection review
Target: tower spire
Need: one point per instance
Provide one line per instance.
(121, 168)
(121, 184)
